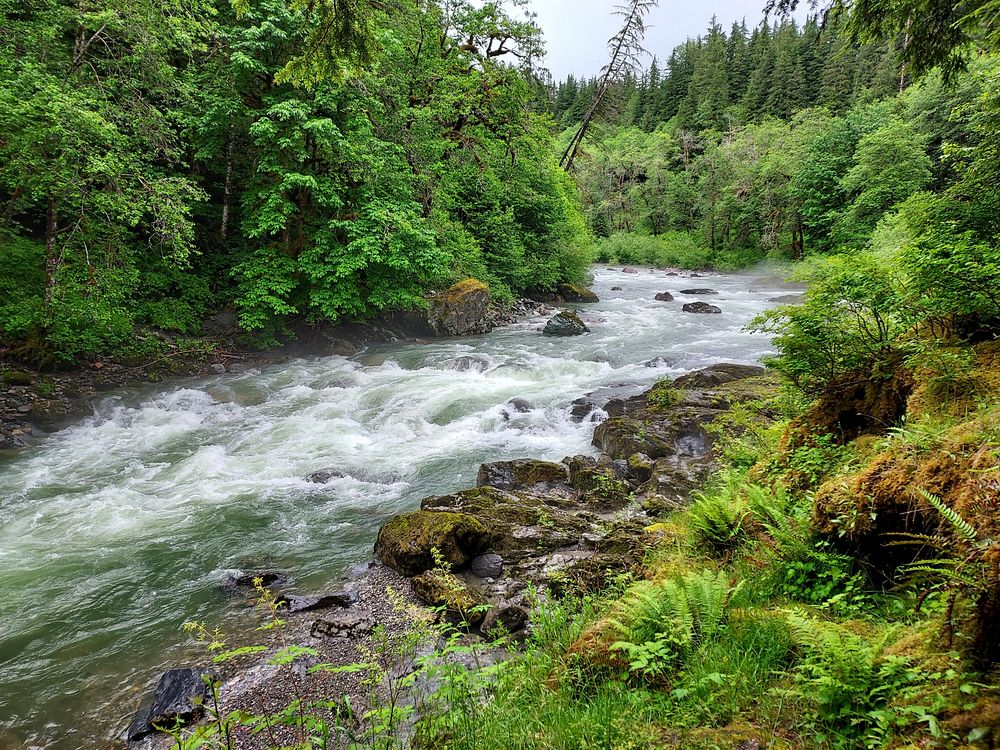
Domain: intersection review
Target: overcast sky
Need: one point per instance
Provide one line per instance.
(577, 31)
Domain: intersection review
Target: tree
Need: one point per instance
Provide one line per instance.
(625, 48)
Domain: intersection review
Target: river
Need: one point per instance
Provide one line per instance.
(118, 529)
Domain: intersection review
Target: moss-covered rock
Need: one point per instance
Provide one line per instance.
(716, 375)
(601, 487)
(16, 377)
(461, 309)
(406, 542)
(620, 437)
(566, 323)
(577, 293)
(521, 473)
(461, 601)
(641, 466)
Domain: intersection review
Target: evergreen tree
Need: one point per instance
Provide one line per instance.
(710, 81)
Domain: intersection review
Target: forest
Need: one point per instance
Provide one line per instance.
(162, 160)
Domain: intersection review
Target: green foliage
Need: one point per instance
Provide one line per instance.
(717, 519)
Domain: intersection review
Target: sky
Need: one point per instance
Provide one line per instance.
(577, 31)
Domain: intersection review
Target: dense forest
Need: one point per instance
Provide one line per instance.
(158, 161)
(786, 142)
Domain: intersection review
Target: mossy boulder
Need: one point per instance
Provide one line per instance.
(460, 601)
(406, 542)
(566, 323)
(716, 375)
(16, 377)
(521, 473)
(577, 293)
(620, 437)
(641, 466)
(461, 309)
(601, 487)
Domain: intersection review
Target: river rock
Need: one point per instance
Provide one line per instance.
(520, 405)
(582, 408)
(521, 473)
(468, 362)
(664, 297)
(566, 323)
(406, 542)
(347, 625)
(296, 604)
(698, 291)
(788, 299)
(701, 307)
(246, 578)
(715, 375)
(629, 270)
(178, 695)
(489, 565)
(616, 289)
(461, 309)
(577, 293)
(324, 476)
(657, 362)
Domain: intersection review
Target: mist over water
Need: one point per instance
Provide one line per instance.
(116, 530)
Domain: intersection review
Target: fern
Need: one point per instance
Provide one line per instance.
(962, 527)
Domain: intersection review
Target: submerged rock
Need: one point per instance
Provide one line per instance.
(520, 405)
(324, 476)
(701, 307)
(664, 297)
(698, 291)
(406, 542)
(246, 578)
(178, 696)
(566, 323)
(582, 408)
(461, 309)
(629, 270)
(468, 362)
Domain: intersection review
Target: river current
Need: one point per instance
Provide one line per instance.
(116, 530)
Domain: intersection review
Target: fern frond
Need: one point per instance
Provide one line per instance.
(964, 529)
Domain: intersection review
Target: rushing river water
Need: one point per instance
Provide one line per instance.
(118, 529)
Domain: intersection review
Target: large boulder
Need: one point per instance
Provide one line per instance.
(461, 309)
(716, 375)
(521, 473)
(179, 695)
(566, 323)
(406, 542)
(664, 297)
(701, 307)
(576, 293)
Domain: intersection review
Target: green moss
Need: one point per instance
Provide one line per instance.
(406, 543)
(663, 395)
(440, 589)
(16, 377)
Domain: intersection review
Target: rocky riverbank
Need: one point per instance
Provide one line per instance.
(481, 554)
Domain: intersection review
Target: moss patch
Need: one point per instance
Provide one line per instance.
(406, 542)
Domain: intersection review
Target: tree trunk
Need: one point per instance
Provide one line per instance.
(53, 259)
(228, 191)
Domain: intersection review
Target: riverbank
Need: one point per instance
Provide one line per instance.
(489, 556)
